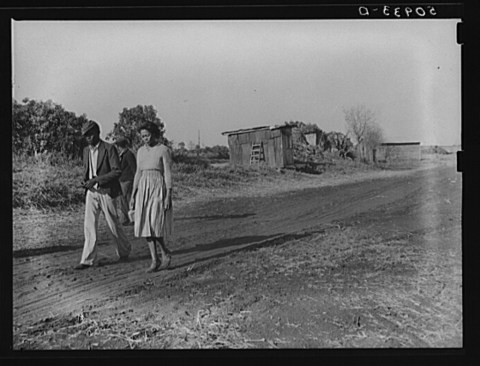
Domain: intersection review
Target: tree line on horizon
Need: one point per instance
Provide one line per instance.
(45, 126)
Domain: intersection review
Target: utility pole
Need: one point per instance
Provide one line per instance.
(198, 146)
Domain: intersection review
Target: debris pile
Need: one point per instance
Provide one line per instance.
(303, 152)
(324, 142)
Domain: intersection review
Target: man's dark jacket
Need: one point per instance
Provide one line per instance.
(108, 168)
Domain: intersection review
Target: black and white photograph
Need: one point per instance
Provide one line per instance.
(185, 184)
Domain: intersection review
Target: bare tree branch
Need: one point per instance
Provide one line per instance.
(361, 122)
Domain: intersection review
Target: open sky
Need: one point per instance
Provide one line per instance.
(215, 76)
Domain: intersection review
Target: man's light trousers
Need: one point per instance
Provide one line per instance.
(95, 203)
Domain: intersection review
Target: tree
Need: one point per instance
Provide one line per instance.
(40, 127)
(130, 119)
(220, 152)
(191, 145)
(373, 136)
(361, 123)
(358, 120)
(337, 141)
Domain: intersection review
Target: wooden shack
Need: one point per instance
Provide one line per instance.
(398, 151)
(268, 145)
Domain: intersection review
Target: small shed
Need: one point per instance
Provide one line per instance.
(269, 145)
(398, 151)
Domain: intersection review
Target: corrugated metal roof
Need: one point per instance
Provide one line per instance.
(245, 130)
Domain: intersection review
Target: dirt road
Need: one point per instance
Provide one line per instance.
(45, 285)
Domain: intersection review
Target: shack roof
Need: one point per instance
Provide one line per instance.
(399, 143)
(254, 129)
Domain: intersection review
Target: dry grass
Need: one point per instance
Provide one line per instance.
(387, 292)
(52, 181)
(46, 181)
(210, 327)
(342, 287)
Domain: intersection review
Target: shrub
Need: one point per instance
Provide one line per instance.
(46, 181)
(52, 180)
(186, 159)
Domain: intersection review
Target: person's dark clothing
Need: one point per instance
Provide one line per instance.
(128, 164)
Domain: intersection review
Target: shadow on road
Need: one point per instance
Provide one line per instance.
(39, 251)
(240, 243)
(215, 217)
(225, 243)
(21, 253)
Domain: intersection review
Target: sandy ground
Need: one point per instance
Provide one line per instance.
(368, 261)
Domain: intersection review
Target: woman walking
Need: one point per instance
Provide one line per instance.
(152, 195)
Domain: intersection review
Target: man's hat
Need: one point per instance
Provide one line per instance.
(87, 126)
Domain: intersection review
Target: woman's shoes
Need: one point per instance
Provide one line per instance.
(153, 267)
(166, 261)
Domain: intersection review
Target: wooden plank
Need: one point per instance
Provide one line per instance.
(255, 137)
(245, 153)
(289, 157)
(233, 146)
(242, 138)
(270, 153)
(275, 133)
(266, 135)
(288, 154)
(278, 152)
(231, 149)
(287, 151)
(234, 154)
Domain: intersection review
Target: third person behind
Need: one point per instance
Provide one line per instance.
(128, 165)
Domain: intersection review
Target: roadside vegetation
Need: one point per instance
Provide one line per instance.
(51, 181)
(47, 149)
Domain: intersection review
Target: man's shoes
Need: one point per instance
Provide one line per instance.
(81, 266)
(123, 259)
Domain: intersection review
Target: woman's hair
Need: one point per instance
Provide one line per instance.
(152, 128)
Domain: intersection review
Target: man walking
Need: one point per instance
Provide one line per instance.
(128, 164)
(101, 173)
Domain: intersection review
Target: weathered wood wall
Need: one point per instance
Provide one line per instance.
(277, 147)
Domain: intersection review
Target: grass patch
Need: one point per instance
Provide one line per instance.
(210, 327)
(46, 181)
(51, 181)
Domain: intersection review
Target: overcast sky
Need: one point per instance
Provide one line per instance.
(215, 76)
